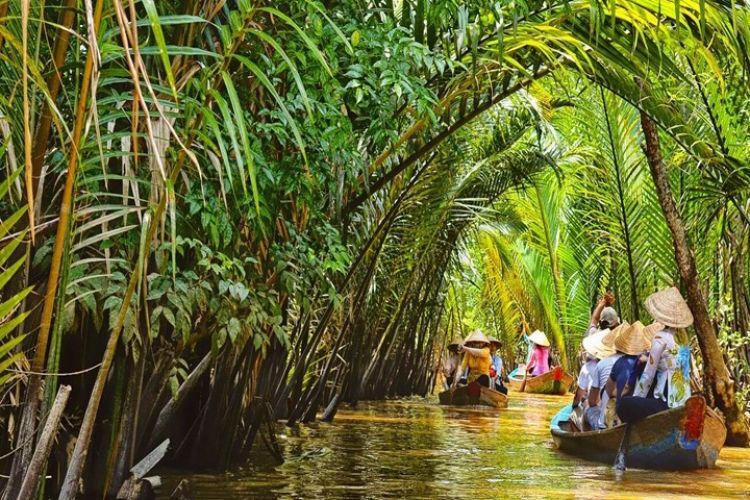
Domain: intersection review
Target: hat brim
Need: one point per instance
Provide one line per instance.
(539, 338)
(632, 341)
(669, 308)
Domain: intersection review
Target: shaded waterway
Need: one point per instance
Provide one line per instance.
(417, 449)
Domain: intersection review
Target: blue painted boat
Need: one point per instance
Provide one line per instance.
(684, 438)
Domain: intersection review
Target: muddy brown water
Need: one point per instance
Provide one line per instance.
(415, 448)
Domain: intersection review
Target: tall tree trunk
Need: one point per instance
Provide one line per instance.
(33, 392)
(717, 380)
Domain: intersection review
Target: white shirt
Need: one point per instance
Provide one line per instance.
(451, 364)
(585, 377)
(603, 369)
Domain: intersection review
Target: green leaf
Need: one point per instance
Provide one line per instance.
(7, 306)
(240, 120)
(269, 86)
(5, 185)
(8, 223)
(153, 17)
(234, 328)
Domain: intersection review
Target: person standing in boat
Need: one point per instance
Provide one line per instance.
(665, 382)
(451, 363)
(496, 368)
(539, 363)
(477, 359)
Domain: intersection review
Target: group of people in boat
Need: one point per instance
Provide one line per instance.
(483, 364)
(632, 371)
(476, 359)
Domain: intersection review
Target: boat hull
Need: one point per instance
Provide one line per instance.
(472, 396)
(555, 382)
(684, 438)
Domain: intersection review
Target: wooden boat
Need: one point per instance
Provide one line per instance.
(555, 381)
(474, 394)
(684, 438)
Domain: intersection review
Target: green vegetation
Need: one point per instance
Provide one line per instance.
(218, 213)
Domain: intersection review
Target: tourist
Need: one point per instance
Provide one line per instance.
(665, 382)
(598, 398)
(633, 343)
(595, 350)
(451, 363)
(539, 363)
(477, 359)
(604, 315)
(496, 367)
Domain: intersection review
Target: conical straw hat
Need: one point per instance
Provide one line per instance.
(493, 340)
(632, 340)
(609, 339)
(539, 338)
(594, 346)
(668, 307)
(651, 330)
(477, 336)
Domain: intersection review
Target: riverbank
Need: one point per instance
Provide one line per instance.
(417, 449)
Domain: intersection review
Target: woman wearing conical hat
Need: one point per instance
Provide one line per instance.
(477, 359)
(665, 382)
(596, 350)
(633, 342)
(539, 363)
(598, 397)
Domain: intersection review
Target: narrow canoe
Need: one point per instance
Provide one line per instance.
(555, 381)
(684, 438)
(474, 394)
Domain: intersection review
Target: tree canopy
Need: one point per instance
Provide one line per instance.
(240, 211)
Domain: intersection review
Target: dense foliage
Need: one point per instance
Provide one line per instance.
(227, 212)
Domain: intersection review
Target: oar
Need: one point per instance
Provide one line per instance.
(525, 376)
(622, 453)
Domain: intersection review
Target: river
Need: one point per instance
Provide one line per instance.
(415, 448)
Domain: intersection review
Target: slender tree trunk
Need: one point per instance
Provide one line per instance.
(34, 475)
(717, 380)
(33, 394)
(54, 82)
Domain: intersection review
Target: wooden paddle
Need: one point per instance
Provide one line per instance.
(622, 454)
(525, 376)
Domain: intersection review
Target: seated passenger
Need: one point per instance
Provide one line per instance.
(539, 363)
(451, 363)
(477, 359)
(595, 350)
(632, 343)
(496, 368)
(604, 316)
(598, 398)
(665, 382)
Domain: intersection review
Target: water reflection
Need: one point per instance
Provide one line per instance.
(418, 449)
